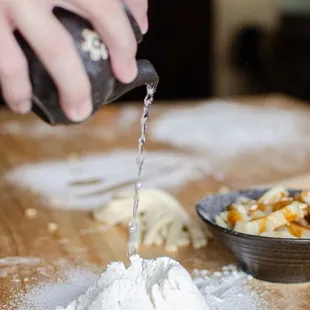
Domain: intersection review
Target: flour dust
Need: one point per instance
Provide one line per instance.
(38, 130)
(133, 226)
(91, 180)
(49, 295)
(11, 265)
(223, 129)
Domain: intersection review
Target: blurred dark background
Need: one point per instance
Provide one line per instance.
(179, 45)
(222, 48)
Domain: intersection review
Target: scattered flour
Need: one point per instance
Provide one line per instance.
(225, 129)
(19, 260)
(146, 281)
(92, 180)
(48, 296)
(40, 130)
(128, 116)
(11, 264)
(37, 129)
(226, 290)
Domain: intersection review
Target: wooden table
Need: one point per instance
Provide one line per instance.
(78, 240)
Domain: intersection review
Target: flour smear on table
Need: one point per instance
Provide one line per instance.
(226, 289)
(126, 117)
(226, 129)
(11, 265)
(92, 180)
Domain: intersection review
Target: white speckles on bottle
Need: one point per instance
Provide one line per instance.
(94, 46)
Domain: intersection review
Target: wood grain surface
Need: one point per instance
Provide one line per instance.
(80, 241)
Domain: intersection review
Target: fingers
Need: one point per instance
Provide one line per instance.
(138, 9)
(56, 50)
(111, 22)
(15, 83)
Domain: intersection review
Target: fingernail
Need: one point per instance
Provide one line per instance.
(131, 71)
(80, 113)
(24, 107)
(145, 25)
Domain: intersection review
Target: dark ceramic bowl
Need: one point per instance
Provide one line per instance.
(282, 260)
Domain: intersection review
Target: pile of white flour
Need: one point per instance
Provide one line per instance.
(160, 283)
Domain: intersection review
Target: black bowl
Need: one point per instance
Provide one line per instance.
(281, 260)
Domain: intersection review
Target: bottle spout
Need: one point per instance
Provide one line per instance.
(146, 75)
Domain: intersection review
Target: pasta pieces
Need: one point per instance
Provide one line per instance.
(274, 195)
(299, 231)
(274, 214)
(163, 220)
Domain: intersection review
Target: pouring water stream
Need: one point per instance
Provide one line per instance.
(134, 229)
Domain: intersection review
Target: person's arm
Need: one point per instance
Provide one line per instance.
(56, 50)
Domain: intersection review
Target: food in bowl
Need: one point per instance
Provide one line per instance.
(274, 214)
(273, 259)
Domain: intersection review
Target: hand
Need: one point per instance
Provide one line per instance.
(56, 50)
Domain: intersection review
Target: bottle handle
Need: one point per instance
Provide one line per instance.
(42, 111)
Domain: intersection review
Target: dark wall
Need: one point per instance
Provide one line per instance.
(179, 46)
(291, 57)
(276, 62)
